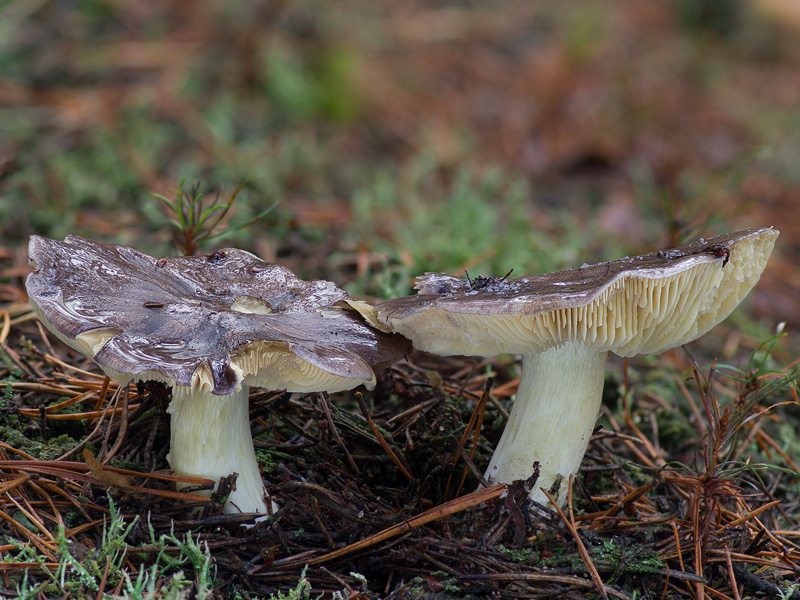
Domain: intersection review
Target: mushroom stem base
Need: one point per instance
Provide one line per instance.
(210, 437)
(552, 419)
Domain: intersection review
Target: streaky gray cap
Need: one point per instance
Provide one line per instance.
(640, 305)
(211, 321)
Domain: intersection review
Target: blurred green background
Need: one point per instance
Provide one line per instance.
(403, 137)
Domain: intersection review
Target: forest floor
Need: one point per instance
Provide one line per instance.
(394, 139)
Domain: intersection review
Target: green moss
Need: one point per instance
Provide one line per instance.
(125, 464)
(14, 438)
(49, 450)
(266, 459)
(618, 560)
(522, 555)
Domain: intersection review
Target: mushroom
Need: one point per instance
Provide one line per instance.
(564, 324)
(209, 326)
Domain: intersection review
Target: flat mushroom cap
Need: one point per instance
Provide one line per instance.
(210, 322)
(640, 305)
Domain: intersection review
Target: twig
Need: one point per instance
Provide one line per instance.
(753, 513)
(64, 466)
(470, 466)
(709, 591)
(123, 428)
(441, 511)
(33, 538)
(475, 423)
(52, 359)
(413, 410)
(30, 412)
(102, 586)
(386, 448)
(542, 577)
(731, 575)
(620, 504)
(85, 440)
(315, 507)
(335, 432)
(45, 337)
(6, 327)
(103, 391)
(32, 517)
(45, 389)
(115, 403)
(587, 560)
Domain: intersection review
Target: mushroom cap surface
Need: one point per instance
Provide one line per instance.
(640, 305)
(213, 321)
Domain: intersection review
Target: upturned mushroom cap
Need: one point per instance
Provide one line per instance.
(210, 322)
(640, 305)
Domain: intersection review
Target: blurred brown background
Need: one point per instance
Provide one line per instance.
(399, 137)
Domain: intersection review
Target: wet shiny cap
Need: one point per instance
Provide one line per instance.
(206, 322)
(640, 305)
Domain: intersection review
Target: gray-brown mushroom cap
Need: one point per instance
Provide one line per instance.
(640, 305)
(164, 318)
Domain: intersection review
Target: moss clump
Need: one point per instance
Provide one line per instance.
(49, 450)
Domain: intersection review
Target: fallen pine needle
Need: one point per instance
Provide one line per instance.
(443, 510)
(67, 466)
(543, 577)
(731, 576)
(619, 505)
(753, 513)
(587, 560)
(381, 441)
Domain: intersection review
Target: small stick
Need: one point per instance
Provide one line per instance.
(470, 467)
(341, 582)
(57, 490)
(619, 504)
(573, 580)
(49, 500)
(679, 550)
(315, 505)
(30, 412)
(24, 566)
(475, 423)
(32, 516)
(94, 414)
(731, 575)
(14, 483)
(382, 441)
(122, 433)
(45, 389)
(698, 545)
(33, 538)
(85, 440)
(753, 513)
(6, 327)
(335, 432)
(103, 391)
(587, 560)
(66, 366)
(103, 580)
(60, 467)
(709, 591)
(45, 338)
(414, 409)
(434, 514)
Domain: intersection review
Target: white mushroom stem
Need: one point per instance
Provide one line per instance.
(552, 418)
(211, 438)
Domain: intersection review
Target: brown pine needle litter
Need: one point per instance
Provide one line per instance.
(673, 501)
